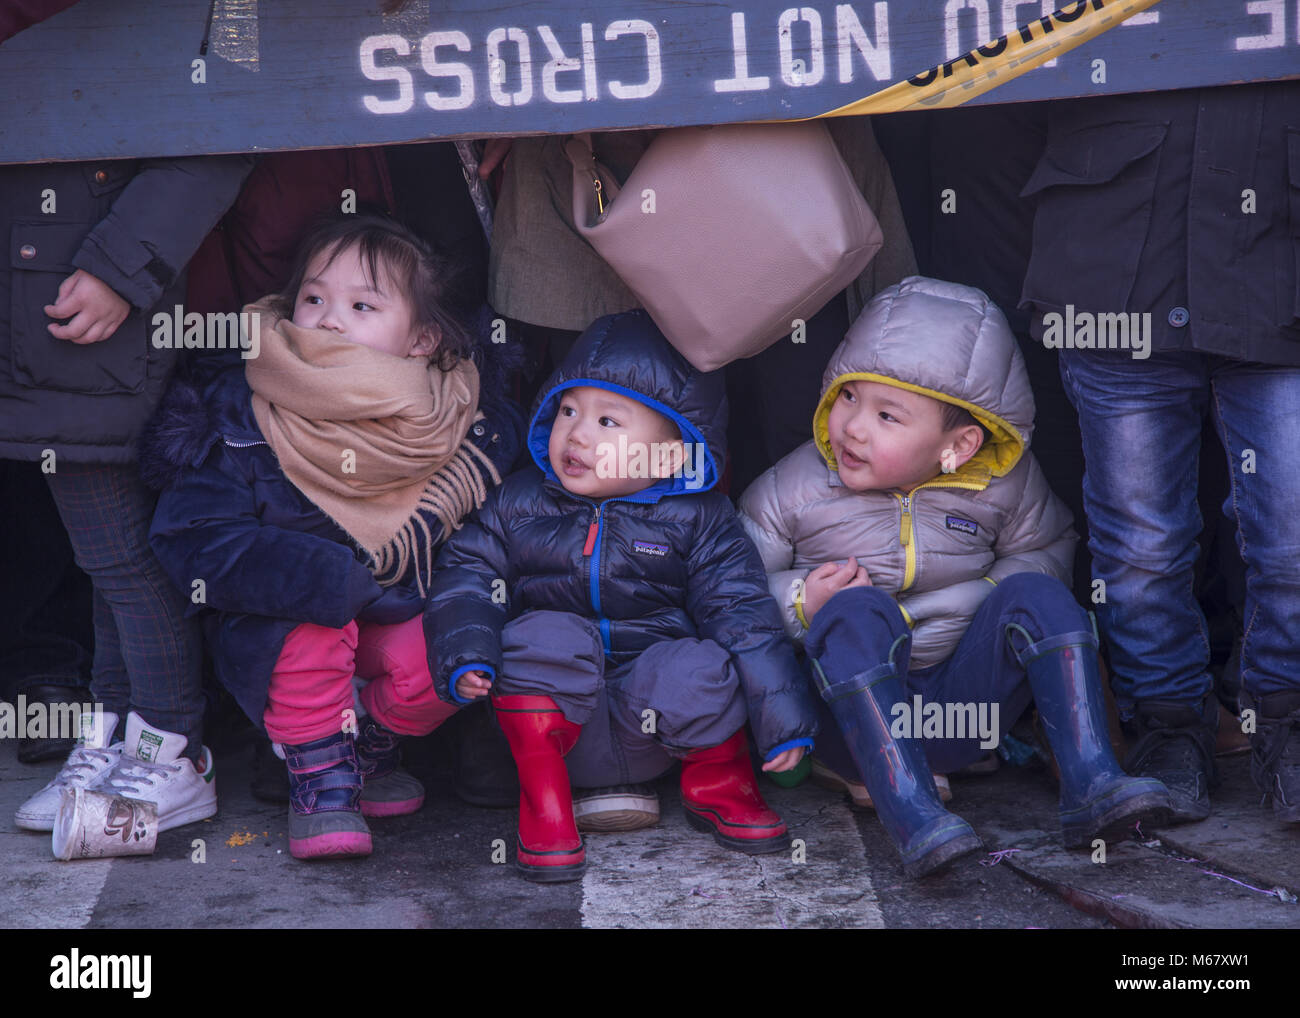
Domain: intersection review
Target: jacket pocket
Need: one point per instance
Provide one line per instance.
(1289, 271)
(1095, 187)
(40, 258)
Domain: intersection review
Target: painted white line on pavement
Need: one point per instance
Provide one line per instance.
(671, 877)
(43, 893)
(36, 890)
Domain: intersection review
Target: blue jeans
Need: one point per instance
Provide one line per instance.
(1025, 616)
(1141, 425)
(147, 654)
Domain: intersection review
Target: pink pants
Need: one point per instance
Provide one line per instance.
(311, 687)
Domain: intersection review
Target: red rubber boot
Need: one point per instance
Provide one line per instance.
(550, 848)
(721, 797)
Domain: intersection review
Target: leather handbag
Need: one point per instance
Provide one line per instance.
(730, 236)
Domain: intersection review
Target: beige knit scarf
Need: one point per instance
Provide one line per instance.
(373, 440)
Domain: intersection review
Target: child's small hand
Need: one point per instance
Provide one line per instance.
(472, 685)
(785, 761)
(93, 306)
(827, 580)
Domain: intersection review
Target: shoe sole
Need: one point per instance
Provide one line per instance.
(750, 846)
(858, 794)
(616, 821)
(336, 845)
(551, 873)
(402, 808)
(1190, 815)
(1152, 808)
(941, 858)
(833, 782)
(195, 813)
(616, 813)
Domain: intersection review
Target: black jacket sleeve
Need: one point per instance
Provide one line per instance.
(158, 222)
(469, 602)
(728, 598)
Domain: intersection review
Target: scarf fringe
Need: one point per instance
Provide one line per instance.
(451, 494)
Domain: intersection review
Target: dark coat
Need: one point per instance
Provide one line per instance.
(134, 225)
(269, 559)
(1145, 205)
(664, 563)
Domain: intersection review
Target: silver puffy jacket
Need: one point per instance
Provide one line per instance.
(941, 548)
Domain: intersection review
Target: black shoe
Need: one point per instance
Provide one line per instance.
(485, 768)
(1173, 742)
(1275, 752)
(615, 808)
(270, 780)
(50, 694)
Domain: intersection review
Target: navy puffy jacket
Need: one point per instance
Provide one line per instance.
(702, 577)
(269, 559)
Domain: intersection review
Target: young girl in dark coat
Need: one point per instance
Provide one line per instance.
(309, 493)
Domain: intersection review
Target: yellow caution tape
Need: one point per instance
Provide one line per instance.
(995, 63)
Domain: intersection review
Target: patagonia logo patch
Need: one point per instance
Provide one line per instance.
(646, 548)
(957, 523)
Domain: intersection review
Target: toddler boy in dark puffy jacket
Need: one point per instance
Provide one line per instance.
(613, 606)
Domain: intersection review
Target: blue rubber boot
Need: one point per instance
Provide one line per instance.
(1098, 799)
(895, 771)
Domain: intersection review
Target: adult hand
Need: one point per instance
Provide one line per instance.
(93, 307)
(827, 580)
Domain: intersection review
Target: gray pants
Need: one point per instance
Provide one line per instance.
(637, 717)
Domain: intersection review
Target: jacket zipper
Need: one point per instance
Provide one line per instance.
(908, 529)
(907, 526)
(907, 536)
(591, 549)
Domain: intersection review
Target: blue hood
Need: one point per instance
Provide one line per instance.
(626, 353)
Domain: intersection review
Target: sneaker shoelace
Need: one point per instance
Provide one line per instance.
(1282, 740)
(82, 765)
(1169, 749)
(130, 774)
(1176, 752)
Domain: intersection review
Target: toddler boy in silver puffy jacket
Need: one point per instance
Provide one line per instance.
(923, 563)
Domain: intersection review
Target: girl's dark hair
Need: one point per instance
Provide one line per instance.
(388, 248)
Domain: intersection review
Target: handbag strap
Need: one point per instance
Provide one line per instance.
(582, 155)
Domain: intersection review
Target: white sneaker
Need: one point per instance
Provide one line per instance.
(151, 768)
(88, 762)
